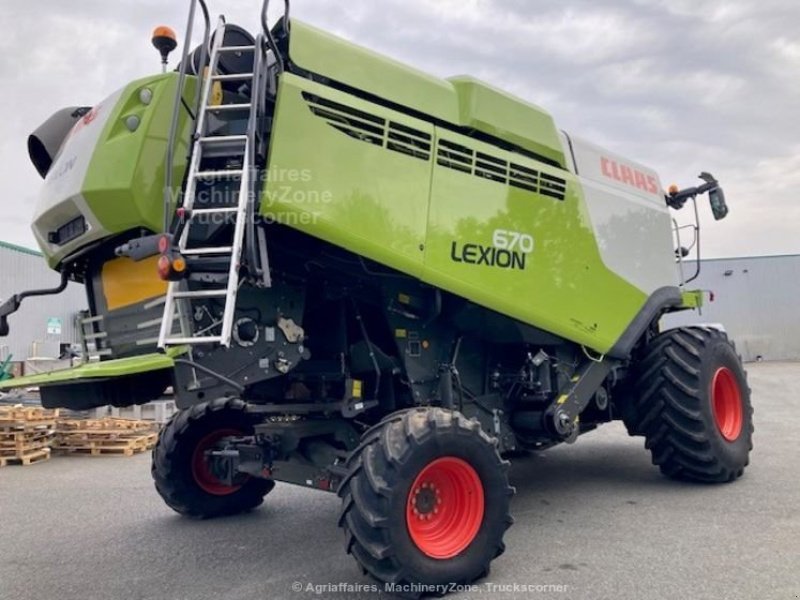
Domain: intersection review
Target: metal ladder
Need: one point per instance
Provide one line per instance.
(244, 146)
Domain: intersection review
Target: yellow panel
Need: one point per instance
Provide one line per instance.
(126, 282)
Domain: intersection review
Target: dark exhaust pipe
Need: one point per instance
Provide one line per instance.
(46, 141)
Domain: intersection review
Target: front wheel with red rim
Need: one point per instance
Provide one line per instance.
(182, 473)
(726, 404)
(426, 499)
(692, 403)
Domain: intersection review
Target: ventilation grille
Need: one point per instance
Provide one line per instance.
(376, 130)
(460, 158)
(371, 128)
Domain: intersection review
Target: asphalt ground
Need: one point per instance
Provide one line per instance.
(593, 521)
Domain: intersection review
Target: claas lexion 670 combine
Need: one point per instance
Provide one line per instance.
(363, 279)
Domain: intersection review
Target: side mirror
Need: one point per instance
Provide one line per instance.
(718, 206)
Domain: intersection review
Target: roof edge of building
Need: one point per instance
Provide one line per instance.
(21, 249)
(759, 256)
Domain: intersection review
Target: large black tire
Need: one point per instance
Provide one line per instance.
(691, 401)
(180, 472)
(385, 485)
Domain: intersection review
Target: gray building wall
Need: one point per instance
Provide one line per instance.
(23, 269)
(756, 299)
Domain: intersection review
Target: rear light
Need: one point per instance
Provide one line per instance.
(179, 265)
(172, 266)
(164, 267)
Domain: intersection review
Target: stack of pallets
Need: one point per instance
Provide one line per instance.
(26, 434)
(104, 437)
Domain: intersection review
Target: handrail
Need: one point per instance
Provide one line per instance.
(176, 106)
(259, 64)
(203, 51)
(268, 33)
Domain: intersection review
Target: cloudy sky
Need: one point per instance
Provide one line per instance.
(681, 85)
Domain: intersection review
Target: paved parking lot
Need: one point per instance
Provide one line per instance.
(593, 521)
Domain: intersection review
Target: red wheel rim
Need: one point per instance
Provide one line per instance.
(445, 507)
(726, 401)
(201, 472)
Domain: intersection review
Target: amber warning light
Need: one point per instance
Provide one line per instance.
(165, 41)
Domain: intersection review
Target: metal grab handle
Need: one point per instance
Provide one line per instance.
(176, 107)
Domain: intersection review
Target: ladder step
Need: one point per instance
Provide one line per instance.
(200, 294)
(232, 77)
(229, 107)
(183, 341)
(236, 48)
(90, 320)
(223, 139)
(225, 173)
(95, 336)
(207, 251)
(214, 211)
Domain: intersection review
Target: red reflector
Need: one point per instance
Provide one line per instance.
(163, 244)
(181, 212)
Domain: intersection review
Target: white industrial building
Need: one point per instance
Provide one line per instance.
(43, 324)
(756, 299)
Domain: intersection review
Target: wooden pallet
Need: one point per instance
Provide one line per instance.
(13, 439)
(18, 412)
(108, 436)
(24, 448)
(26, 459)
(26, 433)
(103, 425)
(97, 446)
(9, 426)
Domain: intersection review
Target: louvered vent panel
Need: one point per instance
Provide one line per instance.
(371, 128)
(460, 158)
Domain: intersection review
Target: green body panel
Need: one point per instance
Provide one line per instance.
(565, 287)
(407, 212)
(125, 182)
(121, 187)
(340, 189)
(133, 365)
(501, 115)
(461, 101)
(325, 54)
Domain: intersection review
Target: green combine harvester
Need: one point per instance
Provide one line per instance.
(366, 280)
